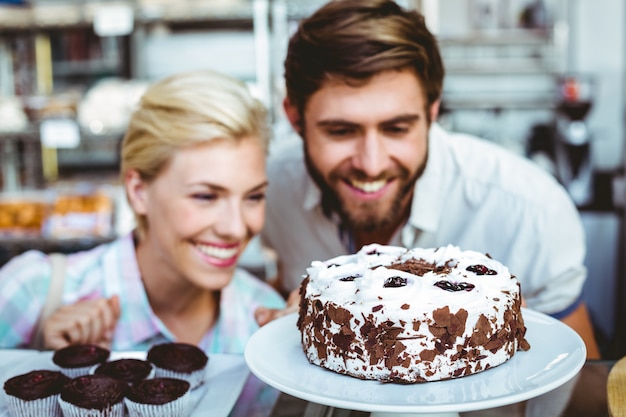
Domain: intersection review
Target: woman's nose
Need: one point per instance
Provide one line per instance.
(232, 222)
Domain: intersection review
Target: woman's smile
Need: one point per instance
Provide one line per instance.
(220, 255)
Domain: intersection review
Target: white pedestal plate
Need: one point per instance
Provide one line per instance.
(557, 354)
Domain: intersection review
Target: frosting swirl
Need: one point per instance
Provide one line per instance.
(375, 275)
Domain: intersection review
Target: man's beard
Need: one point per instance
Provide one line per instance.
(369, 220)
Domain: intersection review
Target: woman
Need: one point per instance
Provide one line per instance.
(193, 167)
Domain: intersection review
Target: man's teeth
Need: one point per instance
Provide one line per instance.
(215, 252)
(368, 186)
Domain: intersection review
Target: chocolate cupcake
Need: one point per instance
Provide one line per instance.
(35, 393)
(179, 360)
(126, 369)
(93, 395)
(156, 397)
(77, 360)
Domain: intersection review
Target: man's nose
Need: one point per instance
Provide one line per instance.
(371, 155)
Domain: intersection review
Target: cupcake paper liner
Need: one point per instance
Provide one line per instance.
(71, 410)
(195, 378)
(48, 406)
(74, 372)
(77, 360)
(176, 408)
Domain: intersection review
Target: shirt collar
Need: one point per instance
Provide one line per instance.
(427, 200)
(312, 195)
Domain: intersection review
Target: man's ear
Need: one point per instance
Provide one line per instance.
(136, 191)
(293, 115)
(434, 111)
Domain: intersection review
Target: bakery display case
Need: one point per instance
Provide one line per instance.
(22, 215)
(63, 218)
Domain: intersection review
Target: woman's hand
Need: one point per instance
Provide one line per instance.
(89, 321)
(264, 315)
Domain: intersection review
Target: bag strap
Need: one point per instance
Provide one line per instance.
(53, 300)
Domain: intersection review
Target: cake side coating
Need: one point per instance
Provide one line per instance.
(398, 315)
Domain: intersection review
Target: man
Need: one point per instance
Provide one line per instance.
(364, 81)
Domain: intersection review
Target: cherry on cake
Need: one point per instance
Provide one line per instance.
(403, 315)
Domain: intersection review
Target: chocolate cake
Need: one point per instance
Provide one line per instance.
(126, 369)
(397, 315)
(93, 395)
(179, 360)
(35, 393)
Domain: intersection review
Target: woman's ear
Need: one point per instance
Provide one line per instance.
(136, 191)
(293, 116)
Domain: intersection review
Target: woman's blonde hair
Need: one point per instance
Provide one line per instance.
(184, 110)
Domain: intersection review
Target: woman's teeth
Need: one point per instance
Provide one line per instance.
(217, 252)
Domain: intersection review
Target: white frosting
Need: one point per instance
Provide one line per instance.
(325, 277)
(357, 283)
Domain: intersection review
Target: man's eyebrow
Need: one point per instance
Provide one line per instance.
(403, 118)
(335, 122)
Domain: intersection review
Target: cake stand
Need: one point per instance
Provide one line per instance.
(557, 354)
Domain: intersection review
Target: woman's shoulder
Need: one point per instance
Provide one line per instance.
(26, 262)
(35, 264)
(96, 257)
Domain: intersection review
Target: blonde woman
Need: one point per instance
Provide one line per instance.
(193, 168)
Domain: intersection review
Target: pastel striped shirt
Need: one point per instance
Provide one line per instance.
(111, 269)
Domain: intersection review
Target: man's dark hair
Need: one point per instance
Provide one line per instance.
(353, 40)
